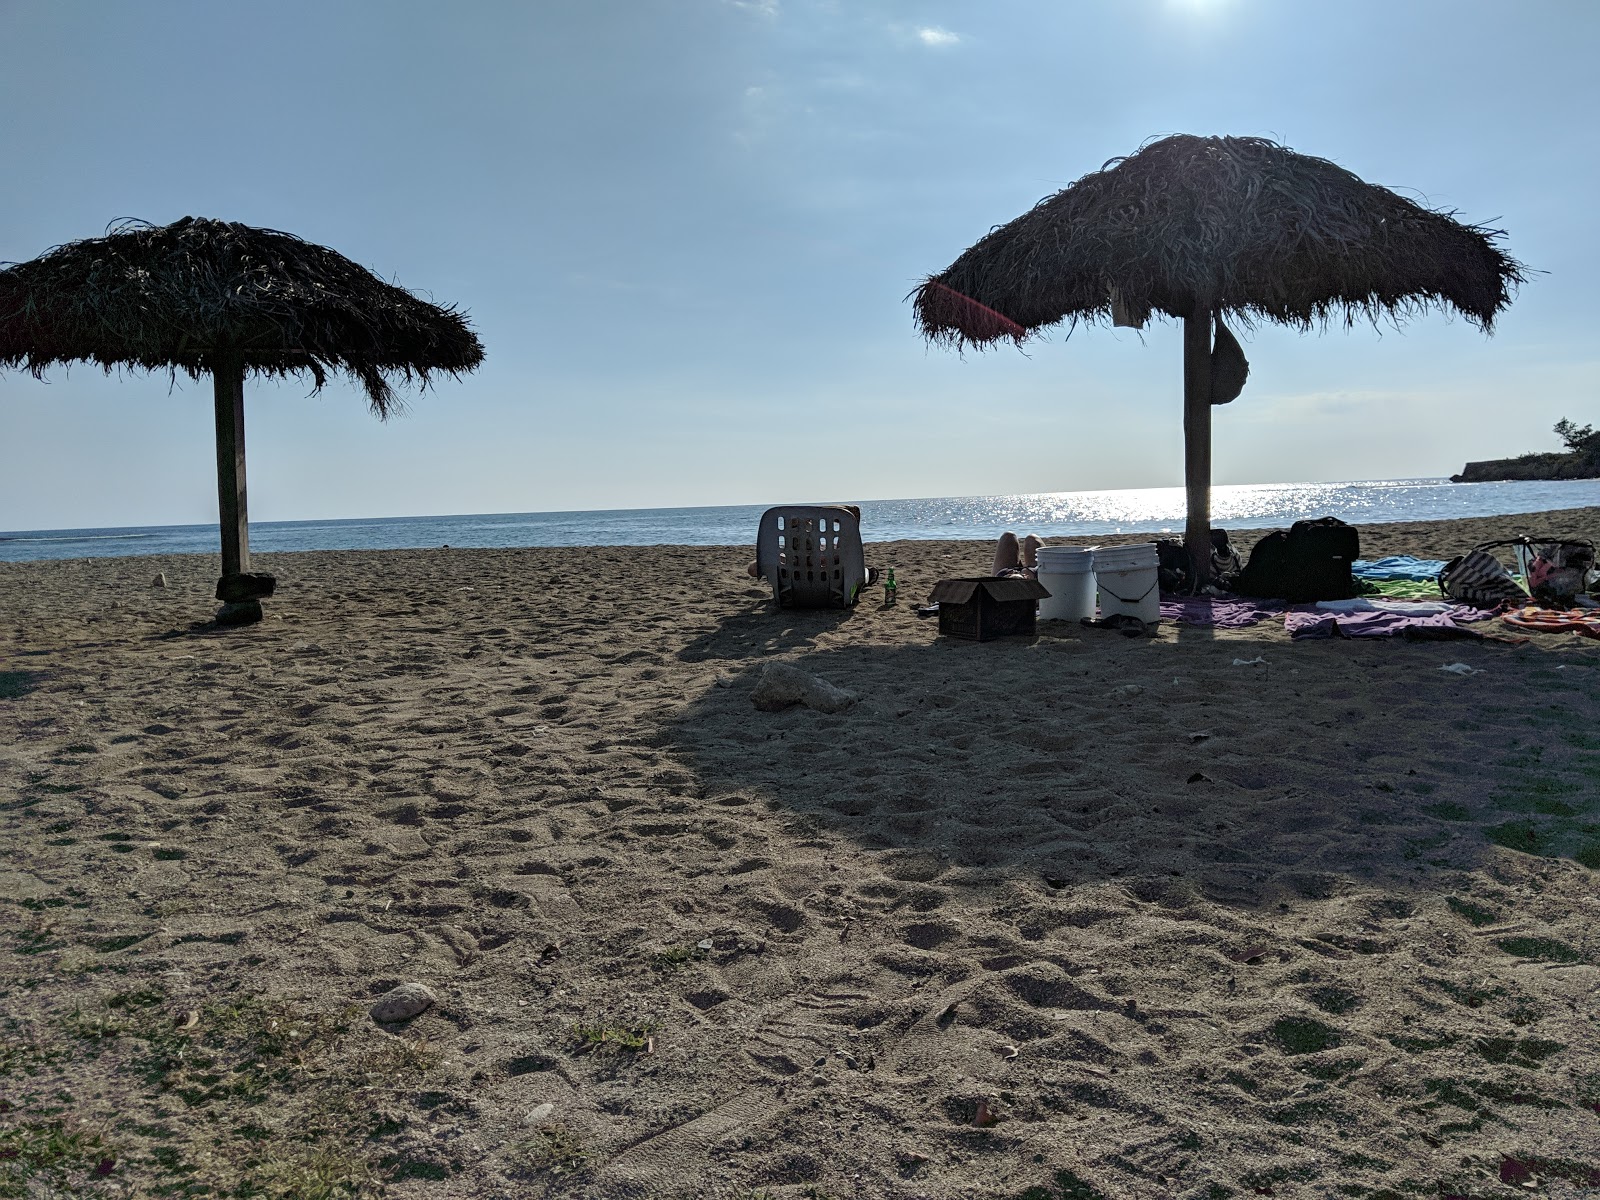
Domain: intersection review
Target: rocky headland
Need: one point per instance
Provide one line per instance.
(1584, 465)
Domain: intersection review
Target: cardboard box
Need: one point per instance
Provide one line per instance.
(988, 606)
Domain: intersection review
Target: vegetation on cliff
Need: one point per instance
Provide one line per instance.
(1580, 461)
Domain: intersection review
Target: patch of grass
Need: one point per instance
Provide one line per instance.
(49, 1149)
(170, 854)
(93, 1026)
(674, 957)
(599, 1035)
(1304, 1035)
(316, 1173)
(26, 1058)
(246, 1096)
(553, 1150)
(1540, 949)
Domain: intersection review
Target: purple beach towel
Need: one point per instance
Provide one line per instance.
(1219, 612)
(1309, 622)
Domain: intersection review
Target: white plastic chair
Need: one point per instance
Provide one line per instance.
(811, 555)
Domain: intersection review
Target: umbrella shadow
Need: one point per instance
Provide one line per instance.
(1079, 761)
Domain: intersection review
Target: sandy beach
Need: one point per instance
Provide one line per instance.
(1055, 918)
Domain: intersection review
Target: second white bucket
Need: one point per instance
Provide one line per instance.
(1067, 573)
(1127, 580)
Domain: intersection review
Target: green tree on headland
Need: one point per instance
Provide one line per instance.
(1579, 440)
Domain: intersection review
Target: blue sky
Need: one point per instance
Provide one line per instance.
(685, 230)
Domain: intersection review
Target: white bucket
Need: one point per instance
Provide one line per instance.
(1127, 579)
(1067, 573)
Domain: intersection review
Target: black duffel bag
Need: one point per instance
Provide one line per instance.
(1309, 561)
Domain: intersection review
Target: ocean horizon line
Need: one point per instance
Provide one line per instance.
(1092, 513)
(257, 522)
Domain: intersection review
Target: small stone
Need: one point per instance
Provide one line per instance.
(540, 1112)
(160, 580)
(402, 1003)
(782, 685)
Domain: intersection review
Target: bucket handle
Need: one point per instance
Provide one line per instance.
(1124, 599)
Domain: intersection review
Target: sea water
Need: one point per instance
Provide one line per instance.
(1049, 514)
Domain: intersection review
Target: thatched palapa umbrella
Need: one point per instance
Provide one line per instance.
(1198, 227)
(220, 298)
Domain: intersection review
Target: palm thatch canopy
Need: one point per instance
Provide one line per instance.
(198, 293)
(1239, 225)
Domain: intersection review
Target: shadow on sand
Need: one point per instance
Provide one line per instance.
(1088, 757)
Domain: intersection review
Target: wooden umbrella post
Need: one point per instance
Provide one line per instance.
(228, 378)
(1197, 439)
(238, 589)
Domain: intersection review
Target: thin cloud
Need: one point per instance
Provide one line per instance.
(935, 35)
(767, 8)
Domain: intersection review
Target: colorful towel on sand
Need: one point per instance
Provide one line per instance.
(1398, 566)
(1219, 612)
(1550, 620)
(1429, 625)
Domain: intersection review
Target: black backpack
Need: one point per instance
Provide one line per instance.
(1176, 574)
(1310, 561)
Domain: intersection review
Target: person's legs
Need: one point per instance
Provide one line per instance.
(1030, 551)
(1007, 554)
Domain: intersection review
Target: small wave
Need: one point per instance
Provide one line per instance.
(83, 537)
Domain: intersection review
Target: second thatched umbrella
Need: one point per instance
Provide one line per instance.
(1198, 227)
(220, 298)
